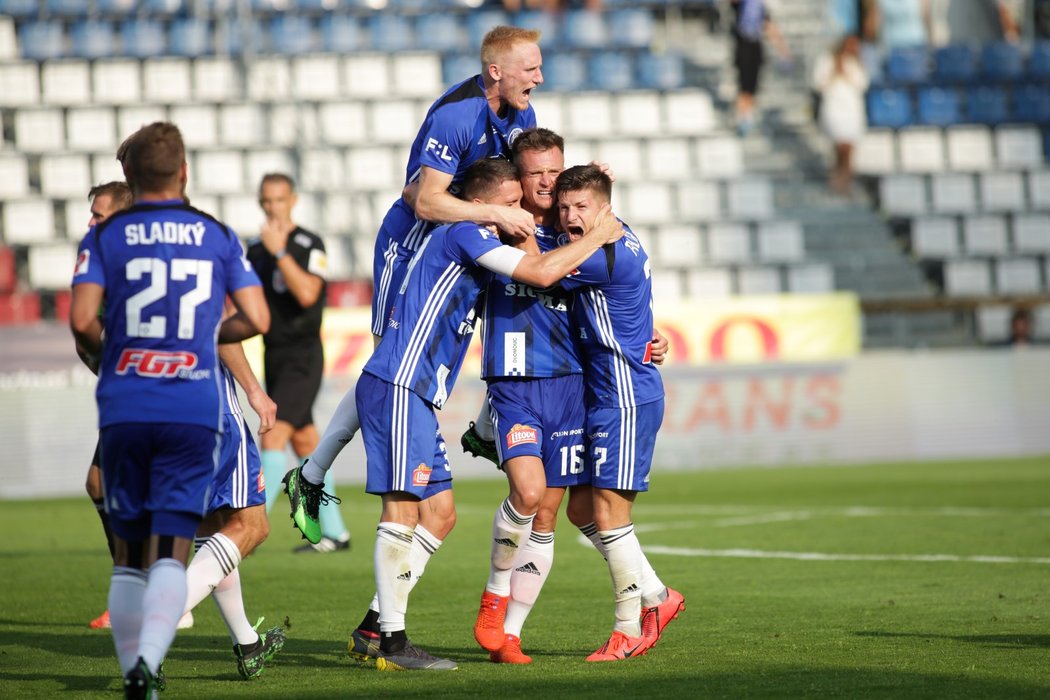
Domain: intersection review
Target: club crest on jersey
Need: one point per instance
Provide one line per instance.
(156, 363)
(421, 475)
(521, 435)
(514, 134)
(83, 262)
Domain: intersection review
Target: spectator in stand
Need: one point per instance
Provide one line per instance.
(897, 23)
(751, 23)
(978, 21)
(841, 80)
(1020, 328)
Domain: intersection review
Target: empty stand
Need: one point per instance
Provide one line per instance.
(116, 81)
(29, 221)
(935, 237)
(969, 148)
(65, 175)
(1002, 191)
(953, 193)
(1031, 233)
(316, 77)
(984, 235)
(91, 129)
(65, 82)
(49, 266)
(1018, 276)
(921, 150)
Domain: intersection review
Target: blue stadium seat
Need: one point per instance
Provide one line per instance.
(1039, 60)
(611, 70)
(168, 8)
(664, 71)
(230, 37)
(292, 35)
(42, 40)
(20, 8)
(545, 22)
(116, 8)
(1001, 61)
(1031, 103)
(458, 67)
(908, 65)
(889, 107)
(93, 39)
(391, 33)
(632, 28)
(189, 36)
(954, 64)
(938, 106)
(986, 104)
(564, 72)
(480, 22)
(342, 33)
(584, 29)
(68, 8)
(143, 38)
(439, 31)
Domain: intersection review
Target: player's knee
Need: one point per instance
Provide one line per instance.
(527, 499)
(579, 513)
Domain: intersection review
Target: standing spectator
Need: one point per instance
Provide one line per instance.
(291, 263)
(840, 79)
(977, 21)
(751, 22)
(1020, 327)
(165, 280)
(897, 23)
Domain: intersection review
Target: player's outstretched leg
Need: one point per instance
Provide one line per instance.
(306, 500)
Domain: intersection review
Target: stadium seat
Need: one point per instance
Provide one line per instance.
(440, 31)
(457, 67)
(115, 8)
(713, 282)
(956, 63)
(216, 79)
(668, 159)
(219, 172)
(698, 201)
(293, 35)
(566, 72)
(544, 22)
(921, 150)
(22, 9)
(649, 203)
(1039, 190)
(77, 213)
(48, 266)
(39, 130)
(1002, 191)
(953, 193)
(8, 39)
(199, 124)
(190, 37)
(729, 244)
(93, 39)
(322, 170)
(934, 237)
(28, 221)
(241, 212)
(337, 213)
(758, 280)
(105, 168)
(371, 168)
(902, 195)
(8, 271)
(241, 125)
(667, 287)
(625, 158)
(1039, 60)
(969, 148)
(167, 80)
(14, 177)
(1031, 103)
(984, 235)
(116, 81)
(664, 71)
(66, 82)
(986, 104)
(584, 29)
(316, 77)
(689, 112)
(91, 129)
(610, 70)
(676, 246)
(1001, 61)
(294, 125)
(260, 161)
(993, 322)
(638, 113)
(343, 123)
(393, 121)
(750, 199)
(590, 114)
(269, 79)
(143, 38)
(368, 75)
(342, 34)
(19, 84)
(416, 75)
(480, 21)
(811, 278)
(549, 108)
(781, 241)
(171, 8)
(42, 40)
(630, 28)
(1017, 276)
(908, 65)
(1031, 233)
(391, 33)
(719, 157)
(1018, 147)
(876, 153)
(129, 119)
(938, 106)
(233, 37)
(889, 107)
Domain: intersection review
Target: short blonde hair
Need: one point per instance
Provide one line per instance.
(502, 39)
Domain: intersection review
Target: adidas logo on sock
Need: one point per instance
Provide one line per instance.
(407, 576)
(507, 542)
(529, 568)
(633, 588)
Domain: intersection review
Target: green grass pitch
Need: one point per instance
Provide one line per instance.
(888, 581)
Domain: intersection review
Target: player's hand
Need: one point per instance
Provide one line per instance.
(658, 349)
(263, 405)
(274, 236)
(605, 168)
(516, 223)
(606, 226)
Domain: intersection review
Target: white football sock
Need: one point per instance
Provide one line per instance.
(341, 430)
(162, 606)
(624, 555)
(393, 574)
(483, 425)
(510, 532)
(590, 531)
(527, 579)
(217, 556)
(654, 591)
(424, 545)
(230, 602)
(126, 588)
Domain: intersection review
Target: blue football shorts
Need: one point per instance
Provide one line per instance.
(239, 482)
(620, 445)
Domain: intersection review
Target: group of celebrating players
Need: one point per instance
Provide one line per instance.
(574, 397)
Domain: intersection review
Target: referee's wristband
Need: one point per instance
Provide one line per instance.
(280, 254)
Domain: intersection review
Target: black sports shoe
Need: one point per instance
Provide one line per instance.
(139, 683)
(251, 663)
(474, 444)
(412, 659)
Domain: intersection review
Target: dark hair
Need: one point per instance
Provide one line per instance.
(486, 175)
(118, 192)
(584, 177)
(277, 177)
(153, 157)
(536, 139)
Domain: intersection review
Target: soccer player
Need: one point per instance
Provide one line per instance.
(291, 263)
(165, 275)
(613, 311)
(475, 119)
(412, 372)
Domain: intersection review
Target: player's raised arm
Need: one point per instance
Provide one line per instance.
(433, 202)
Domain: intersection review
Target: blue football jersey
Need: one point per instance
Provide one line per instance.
(613, 313)
(166, 269)
(527, 331)
(429, 327)
(459, 129)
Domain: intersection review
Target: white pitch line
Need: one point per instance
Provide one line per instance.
(825, 556)
(761, 519)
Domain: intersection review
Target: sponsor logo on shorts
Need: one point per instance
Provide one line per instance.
(595, 436)
(421, 476)
(521, 434)
(158, 363)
